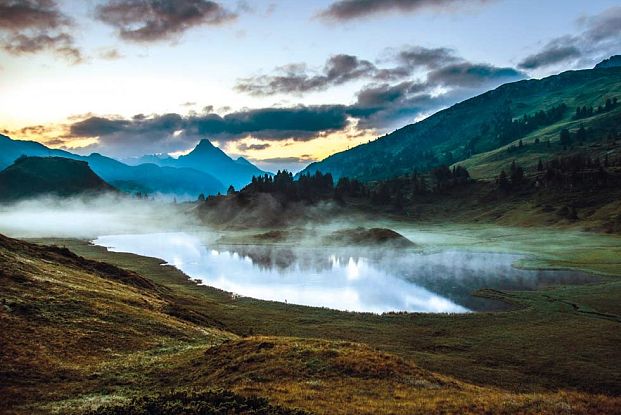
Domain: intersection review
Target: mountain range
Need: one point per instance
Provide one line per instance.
(484, 134)
(209, 159)
(476, 132)
(206, 170)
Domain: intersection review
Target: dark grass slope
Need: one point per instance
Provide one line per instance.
(220, 402)
(38, 176)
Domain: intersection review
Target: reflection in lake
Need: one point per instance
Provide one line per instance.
(372, 280)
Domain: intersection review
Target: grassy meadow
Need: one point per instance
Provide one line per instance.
(554, 351)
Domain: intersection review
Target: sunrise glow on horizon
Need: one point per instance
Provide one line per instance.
(282, 83)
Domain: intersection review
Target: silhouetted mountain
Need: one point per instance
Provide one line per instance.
(10, 150)
(532, 110)
(37, 176)
(243, 161)
(612, 62)
(211, 160)
(145, 178)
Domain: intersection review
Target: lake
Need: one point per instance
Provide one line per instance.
(360, 279)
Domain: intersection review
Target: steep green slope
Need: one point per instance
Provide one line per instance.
(476, 125)
(601, 141)
(37, 176)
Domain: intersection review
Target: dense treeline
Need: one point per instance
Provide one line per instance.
(507, 129)
(307, 187)
(568, 173)
(400, 190)
(395, 191)
(585, 112)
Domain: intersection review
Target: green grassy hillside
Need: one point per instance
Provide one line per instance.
(544, 144)
(479, 125)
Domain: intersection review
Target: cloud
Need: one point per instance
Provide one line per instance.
(417, 80)
(381, 95)
(257, 147)
(339, 69)
(555, 52)
(97, 126)
(343, 10)
(466, 74)
(173, 132)
(55, 142)
(110, 54)
(294, 78)
(16, 15)
(434, 78)
(385, 105)
(156, 20)
(442, 66)
(297, 123)
(419, 57)
(603, 27)
(284, 160)
(31, 26)
(33, 130)
(599, 38)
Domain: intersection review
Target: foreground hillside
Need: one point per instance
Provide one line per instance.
(492, 122)
(79, 335)
(41, 176)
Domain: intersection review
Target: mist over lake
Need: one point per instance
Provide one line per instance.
(370, 279)
(328, 207)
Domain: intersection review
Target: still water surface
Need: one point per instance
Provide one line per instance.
(372, 280)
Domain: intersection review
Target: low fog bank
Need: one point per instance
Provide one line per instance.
(80, 217)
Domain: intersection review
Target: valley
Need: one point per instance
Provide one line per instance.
(465, 263)
(530, 349)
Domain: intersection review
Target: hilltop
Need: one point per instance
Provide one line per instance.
(480, 128)
(40, 176)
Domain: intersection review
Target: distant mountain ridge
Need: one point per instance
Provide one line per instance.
(59, 176)
(468, 128)
(612, 62)
(209, 159)
(145, 178)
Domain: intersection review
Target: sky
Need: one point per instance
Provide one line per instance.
(282, 83)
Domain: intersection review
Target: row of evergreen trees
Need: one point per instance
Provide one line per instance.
(307, 187)
(319, 186)
(507, 129)
(399, 190)
(573, 172)
(585, 112)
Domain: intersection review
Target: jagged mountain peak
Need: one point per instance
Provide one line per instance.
(242, 160)
(612, 62)
(204, 145)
